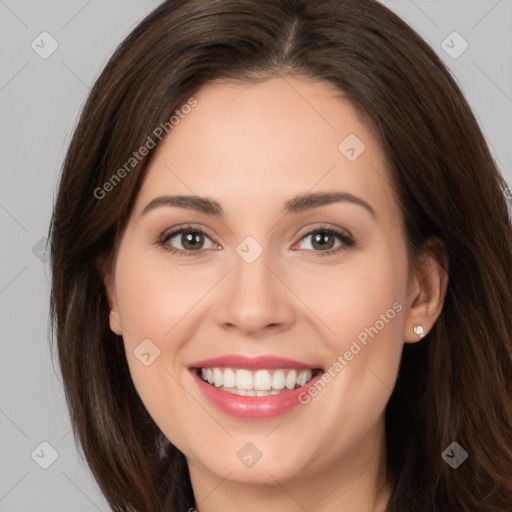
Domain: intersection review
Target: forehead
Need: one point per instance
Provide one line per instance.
(247, 144)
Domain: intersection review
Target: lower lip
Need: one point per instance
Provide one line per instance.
(253, 407)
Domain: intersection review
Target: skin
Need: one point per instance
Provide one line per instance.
(252, 147)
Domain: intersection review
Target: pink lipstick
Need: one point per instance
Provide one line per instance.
(254, 388)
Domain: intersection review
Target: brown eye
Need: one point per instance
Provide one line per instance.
(323, 240)
(192, 240)
(186, 241)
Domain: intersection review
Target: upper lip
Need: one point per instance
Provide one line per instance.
(252, 363)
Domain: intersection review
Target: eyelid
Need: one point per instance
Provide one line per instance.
(308, 230)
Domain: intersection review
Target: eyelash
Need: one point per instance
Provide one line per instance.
(347, 241)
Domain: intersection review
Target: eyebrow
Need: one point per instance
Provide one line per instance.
(297, 204)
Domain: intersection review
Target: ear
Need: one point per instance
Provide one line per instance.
(427, 289)
(110, 290)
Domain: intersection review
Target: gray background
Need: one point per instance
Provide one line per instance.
(39, 101)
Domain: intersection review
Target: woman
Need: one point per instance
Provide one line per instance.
(281, 258)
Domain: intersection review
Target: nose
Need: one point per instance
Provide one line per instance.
(255, 298)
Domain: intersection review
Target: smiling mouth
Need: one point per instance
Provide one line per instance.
(241, 381)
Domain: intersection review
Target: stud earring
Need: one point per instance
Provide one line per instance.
(418, 329)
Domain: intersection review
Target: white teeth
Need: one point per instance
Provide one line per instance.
(229, 378)
(291, 379)
(218, 377)
(244, 379)
(262, 380)
(251, 392)
(301, 378)
(259, 383)
(278, 379)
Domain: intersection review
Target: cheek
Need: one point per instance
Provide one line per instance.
(364, 304)
(147, 302)
(151, 302)
(360, 299)
(155, 294)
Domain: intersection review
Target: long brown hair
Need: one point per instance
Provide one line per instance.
(453, 386)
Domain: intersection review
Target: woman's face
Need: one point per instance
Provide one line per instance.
(284, 161)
